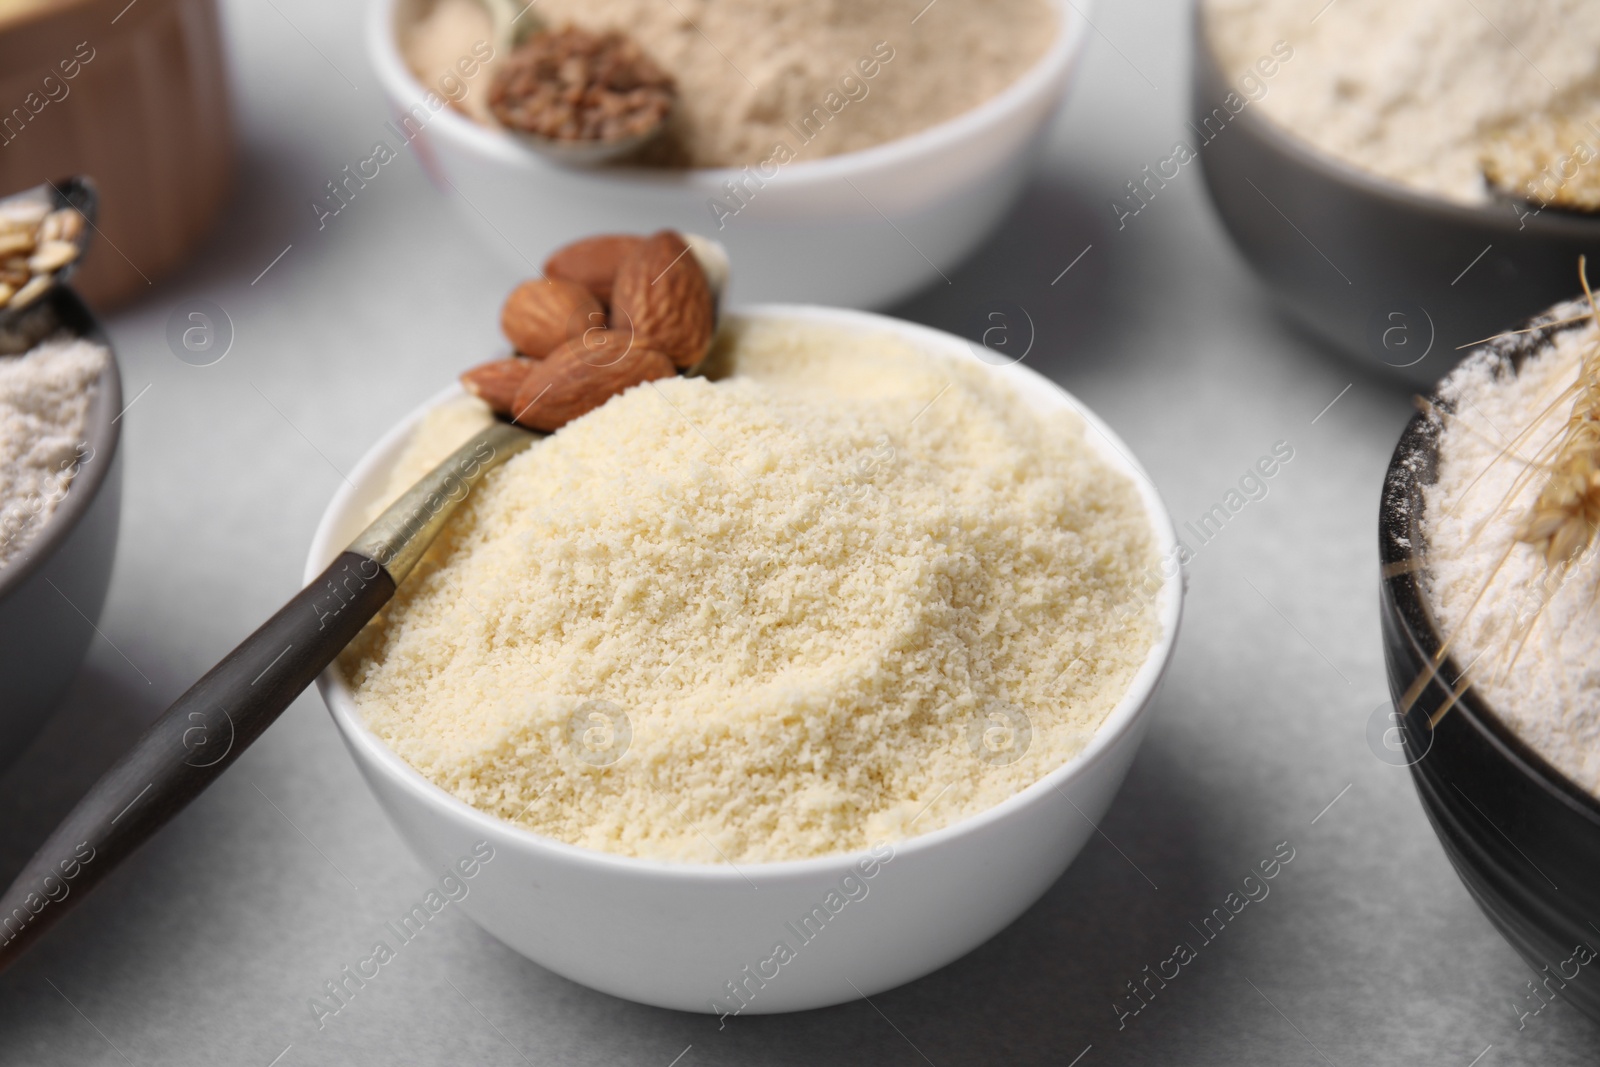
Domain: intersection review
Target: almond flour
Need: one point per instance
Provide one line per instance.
(808, 604)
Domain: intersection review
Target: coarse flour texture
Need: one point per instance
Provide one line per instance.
(821, 591)
(1551, 696)
(44, 402)
(747, 71)
(1414, 90)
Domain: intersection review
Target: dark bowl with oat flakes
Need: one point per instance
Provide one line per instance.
(1523, 838)
(51, 594)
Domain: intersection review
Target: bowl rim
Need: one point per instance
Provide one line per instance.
(102, 431)
(1399, 556)
(1499, 216)
(1048, 71)
(1114, 730)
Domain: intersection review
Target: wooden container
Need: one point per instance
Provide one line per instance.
(135, 96)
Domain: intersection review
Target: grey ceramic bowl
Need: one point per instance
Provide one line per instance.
(1391, 277)
(51, 595)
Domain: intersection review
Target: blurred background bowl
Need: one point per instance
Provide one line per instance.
(1391, 277)
(51, 594)
(671, 934)
(135, 95)
(823, 231)
(1523, 838)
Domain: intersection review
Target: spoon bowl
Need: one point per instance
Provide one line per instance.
(583, 153)
(513, 24)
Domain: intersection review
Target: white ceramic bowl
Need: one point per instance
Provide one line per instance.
(674, 935)
(821, 231)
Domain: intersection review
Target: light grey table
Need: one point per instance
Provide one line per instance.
(206, 948)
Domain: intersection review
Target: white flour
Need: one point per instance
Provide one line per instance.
(44, 403)
(1411, 90)
(1551, 696)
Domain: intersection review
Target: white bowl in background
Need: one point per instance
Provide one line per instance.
(822, 231)
(673, 934)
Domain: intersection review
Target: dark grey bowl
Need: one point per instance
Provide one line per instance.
(1391, 277)
(1524, 840)
(51, 595)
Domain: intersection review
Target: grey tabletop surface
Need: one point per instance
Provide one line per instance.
(207, 946)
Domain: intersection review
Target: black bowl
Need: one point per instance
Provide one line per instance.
(1394, 278)
(1524, 839)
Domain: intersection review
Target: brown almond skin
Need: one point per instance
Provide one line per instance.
(662, 296)
(541, 313)
(593, 262)
(566, 384)
(496, 382)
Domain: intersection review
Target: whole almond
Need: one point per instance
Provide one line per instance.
(541, 313)
(52, 255)
(593, 262)
(496, 382)
(565, 384)
(602, 348)
(662, 298)
(16, 242)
